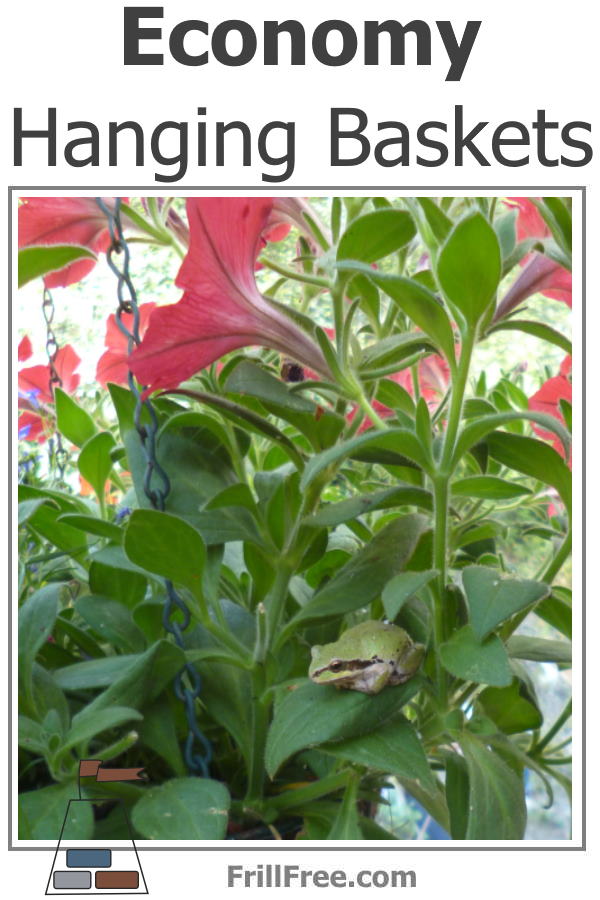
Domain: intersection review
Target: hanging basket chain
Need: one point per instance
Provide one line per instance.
(187, 683)
(58, 455)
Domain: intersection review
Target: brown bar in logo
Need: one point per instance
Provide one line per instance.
(92, 768)
(117, 880)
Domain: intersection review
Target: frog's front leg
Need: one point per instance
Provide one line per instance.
(373, 679)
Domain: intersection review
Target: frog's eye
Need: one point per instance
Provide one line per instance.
(335, 665)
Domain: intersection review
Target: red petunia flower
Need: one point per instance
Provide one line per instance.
(540, 273)
(113, 365)
(221, 309)
(547, 400)
(44, 221)
(25, 350)
(35, 393)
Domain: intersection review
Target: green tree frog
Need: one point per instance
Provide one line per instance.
(366, 658)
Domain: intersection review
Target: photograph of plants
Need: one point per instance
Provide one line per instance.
(295, 516)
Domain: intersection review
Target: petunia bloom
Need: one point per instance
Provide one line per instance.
(547, 400)
(44, 221)
(221, 309)
(25, 350)
(35, 392)
(113, 365)
(540, 273)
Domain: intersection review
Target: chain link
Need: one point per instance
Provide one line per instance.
(58, 455)
(188, 683)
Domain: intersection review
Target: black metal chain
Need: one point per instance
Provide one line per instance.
(58, 455)
(187, 684)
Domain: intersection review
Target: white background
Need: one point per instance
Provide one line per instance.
(68, 54)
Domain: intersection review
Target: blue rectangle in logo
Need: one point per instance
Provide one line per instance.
(89, 859)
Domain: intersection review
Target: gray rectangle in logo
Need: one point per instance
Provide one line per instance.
(72, 880)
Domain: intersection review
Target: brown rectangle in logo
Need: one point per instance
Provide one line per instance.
(115, 880)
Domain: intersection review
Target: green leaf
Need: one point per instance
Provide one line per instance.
(227, 693)
(335, 715)
(368, 571)
(45, 522)
(143, 680)
(401, 588)
(251, 379)
(345, 826)
(86, 725)
(95, 462)
(417, 302)
(37, 261)
(475, 431)
(33, 737)
(375, 235)
(557, 216)
(521, 646)
(72, 421)
(94, 673)
(505, 227)
(469, 267)
(36, 621)
(42, 813)
(190, 809)
(111, 621)
(510, 708)
(388, 354)
(533, 458)
(394, 748)
(557, 612)
(398, 440)
(333, 514)
(158, 730)
(27, 508)
(436, 218)
(492, 598)
(488, 487)
(457, 795)
(537, 329)
(497, 809)
(48, 697)
(482, 662)
(122, 584)
(93, 525)
(166, 545)
(244, 418)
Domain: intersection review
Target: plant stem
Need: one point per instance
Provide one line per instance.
(261, 705)
(563, 717)
(275, 601)
(368, 409)
(441, 491)
(551, 570)
(304, 277)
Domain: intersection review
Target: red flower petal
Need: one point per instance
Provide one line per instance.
(113, 365)
(547, 400)
(541, 275)
(65, 363)
(36, 379)
(530, 223)
(25, 350)
(31, 427)
(221, 309)
(44, 221)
